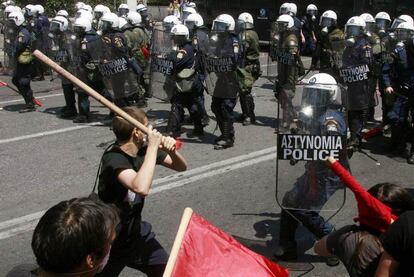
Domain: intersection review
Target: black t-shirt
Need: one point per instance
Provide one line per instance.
(345, 242)
(110, 190)
(398, 241)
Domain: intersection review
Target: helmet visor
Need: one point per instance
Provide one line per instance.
(313, 12)
(54, 27)
(396, 22)
(403, 34)
(370, 27)
(282, 26)
(353, 31)
(219, 26)
(123, 11)
(179, 39)
(382, 24)
(316, 97)
(326, 22)
(190, 24)
(97, 15)
(283, 10)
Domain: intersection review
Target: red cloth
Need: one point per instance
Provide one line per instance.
(371, 212)
(145, 52)
(208, 251)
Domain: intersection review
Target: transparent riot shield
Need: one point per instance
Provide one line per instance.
(316, 130)
(10, 35)
(274, 48)
(162, 82)
(220, 66)
(337, 51)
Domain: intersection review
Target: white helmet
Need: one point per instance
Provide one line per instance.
(122, 23)
(134, 18)
(141, 8)
(404, 31)
(284, 8)
(191, 5)
(180, 34)
(82, 24)
(401, 19)
(17, 17)
(383, 15)
(79, 5)
(111, 20)
(39, 9)
(285, 22)
(194, 20)
(59, 23)
(355, 26)
(223, 23)
(369, 22)
(63, 13)
(310, 8)
(100, 10)
(328, 19)
(9, 9)
(29, 10)
(187, 11)
(245, 21)
(84, 14)
(87, 8)
(320, 91)
(123, 10)
(292, 9)
(169, 21)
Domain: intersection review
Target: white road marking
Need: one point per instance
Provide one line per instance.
(13, 227)
(38, 97)
(54, 132)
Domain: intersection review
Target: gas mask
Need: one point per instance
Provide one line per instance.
(403, 34)
(382, 27)
(352, 33)
(312, 14)
(325, 23)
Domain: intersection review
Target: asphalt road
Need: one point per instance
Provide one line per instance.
(45, 159)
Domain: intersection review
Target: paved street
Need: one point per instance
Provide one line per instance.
(45, 159)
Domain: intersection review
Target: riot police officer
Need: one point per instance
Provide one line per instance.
(319, 115)
(185, 76)
(287, 56)
(138, 54)
(89, 47)
(309, 23)
(330, 36)
(62, 53)
(123, 10)
(355, 74)
(225, 55)
(375, 42)
(24, 60)
(114, 61)
(199, 37)
(98, 12)
(249, 70)
(10, 32)
(292, 10)
(398, 77)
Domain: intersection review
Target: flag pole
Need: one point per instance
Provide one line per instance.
(185, 220)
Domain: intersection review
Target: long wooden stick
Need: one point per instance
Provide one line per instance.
(185, 220)
(90, 91)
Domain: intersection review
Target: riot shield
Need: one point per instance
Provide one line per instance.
(10, 34)
(220, 66)
(337, 51)
(162, 82)
(274, 50)
(303, 181)
(114, 67)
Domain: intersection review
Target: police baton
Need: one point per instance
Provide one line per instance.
(91, 92)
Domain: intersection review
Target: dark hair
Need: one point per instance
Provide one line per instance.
(394, 196)
(71, 230)
(122, 128)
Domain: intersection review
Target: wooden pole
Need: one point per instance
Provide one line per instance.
(185, 220)
(90, 91)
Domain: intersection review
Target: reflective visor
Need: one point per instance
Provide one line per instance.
(396, 22)
(382, 24)
(54, 26)
(220, 26)
(316, 97)
(353, 31)
(326, 22)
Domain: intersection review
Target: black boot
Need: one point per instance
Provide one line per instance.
(174, 125)
(227, 140)
(244, 109)
(251, 117)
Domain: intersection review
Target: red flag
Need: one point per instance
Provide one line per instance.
(207, 251)
(371, 212)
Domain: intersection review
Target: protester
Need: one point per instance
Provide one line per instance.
(125, 180)
(398, 243)
(358, 246)
(73, 238)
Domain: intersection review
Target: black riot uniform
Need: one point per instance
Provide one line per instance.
(398, 73)
(226, 89)
(186, 92)
(355, 74)
(248, 73)
(309, 25)
(89, 47)
(24, 67)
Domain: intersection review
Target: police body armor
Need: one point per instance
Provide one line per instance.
(162, 81)
(90, 49)
(329, 52)
(304, 181)
(221, 61)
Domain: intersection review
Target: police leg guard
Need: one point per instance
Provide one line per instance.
(227, 139)
(286, 250)
(27, 93)
(196, 117)
(174, 121)
(251, 117)
(244, 108)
